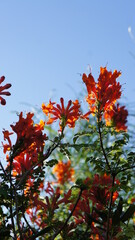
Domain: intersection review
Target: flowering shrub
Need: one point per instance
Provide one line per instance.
(70, 186)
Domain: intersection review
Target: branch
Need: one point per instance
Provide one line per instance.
(103, 150)
(48, 153)
(124, 169)
(33, 230)
(42, 232)
(45, 230)
(3, 169)
(70, 215)
(17, 216)
(109, 213)
(11, 194)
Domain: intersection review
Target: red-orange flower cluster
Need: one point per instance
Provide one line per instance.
(2, 92)
(39, 210)
(105, 92)
(93, 204)
(103, 95)
(117, 117)
(30, 142)
(100, 192)
(64, 172)
(29, 136)
(7, 146)
(67, 115)
(24, 161)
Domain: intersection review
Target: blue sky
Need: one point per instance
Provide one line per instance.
(45, 44)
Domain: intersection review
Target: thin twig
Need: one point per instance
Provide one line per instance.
(103, 150)
(17, 216)
(70, 215)
(48, 153)
(33, 230)
(124, 169)
(3, 169)
(41, 232)
(109, 212)
(11, 194)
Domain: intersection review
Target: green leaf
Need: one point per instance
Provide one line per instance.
(80, 183)
(117, 213)
(84, 133)
(126, 135)
(128, 214)
(52, 162)
(90, 159)
(102, 214)
(92, 219)
(79, 146)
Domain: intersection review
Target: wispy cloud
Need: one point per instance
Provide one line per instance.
(131, 34)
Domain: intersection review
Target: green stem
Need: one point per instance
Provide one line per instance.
(102, 147)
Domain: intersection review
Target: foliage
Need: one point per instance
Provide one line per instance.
(76, 183)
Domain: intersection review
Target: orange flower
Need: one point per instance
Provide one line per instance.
(93, 202)
(117, 117)
(90, 83)
(27, 235)
(103, 94)
(2, 92)
(29, 136)
(100, 192)
(64, 172)
(108, 89)
(24, 162)
(133, 200)
(81, 211)
(68, 116)
(92, 92)
(96, 237)
(39, 210)
(29, 185)
(7, 147)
